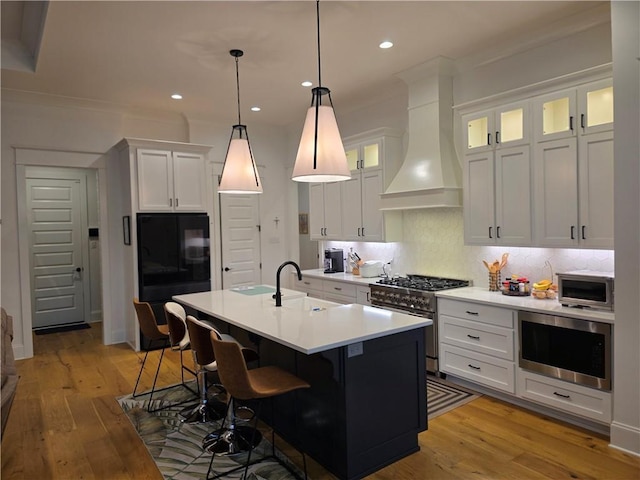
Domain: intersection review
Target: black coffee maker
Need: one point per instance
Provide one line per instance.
(333, 260)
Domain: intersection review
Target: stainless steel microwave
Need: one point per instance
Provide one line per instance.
(586, 289)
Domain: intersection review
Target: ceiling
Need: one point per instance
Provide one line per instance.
(136, 54)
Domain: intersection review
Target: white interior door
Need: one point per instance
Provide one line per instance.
(55, 209)
(240, 236)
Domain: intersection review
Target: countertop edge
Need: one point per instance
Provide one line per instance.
(340, 277)
(528, 303)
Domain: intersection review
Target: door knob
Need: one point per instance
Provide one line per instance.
(226, 269)
(79, 269)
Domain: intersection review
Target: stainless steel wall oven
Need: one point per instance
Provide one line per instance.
(571, 349)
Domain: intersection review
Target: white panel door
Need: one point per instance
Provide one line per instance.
(352, 208)
(556, 193)
(513, 196)
(478, 192)
(371, 214)
(596, 190)
(54, 209)
(240, 233)
(189, 177)
(155, 181)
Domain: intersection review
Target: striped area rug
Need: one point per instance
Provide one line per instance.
(443, 396)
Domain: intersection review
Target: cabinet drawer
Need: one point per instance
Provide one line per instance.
(340, 288)
(477, 312)
(575, 399)
(309, 284)
(483, 369)
(476, 336)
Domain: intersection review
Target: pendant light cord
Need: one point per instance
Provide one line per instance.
(318, 27)
(238, 90)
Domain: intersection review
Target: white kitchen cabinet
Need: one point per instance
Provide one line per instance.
(569, 397)
(325, 211)
(573, 180)
(350, 210)
(334, 290)
(170, 181)
(477, 342)
(363, 295)
(580, 110)
(497, 197)
(548, 182)
(500, 127)
(497, 176)
(361, 215)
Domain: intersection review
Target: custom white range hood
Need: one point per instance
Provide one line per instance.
(430, 175)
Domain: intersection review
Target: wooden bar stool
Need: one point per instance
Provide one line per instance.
(256, 384)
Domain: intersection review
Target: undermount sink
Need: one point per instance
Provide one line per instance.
(307, 304)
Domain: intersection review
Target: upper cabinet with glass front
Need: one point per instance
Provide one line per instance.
(505, 126)
(582, 110)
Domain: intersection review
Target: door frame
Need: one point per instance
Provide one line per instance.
(39, 157)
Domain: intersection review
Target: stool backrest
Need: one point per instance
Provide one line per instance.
(200, 335)
(147, 320)
(232, 369)
(177, 323)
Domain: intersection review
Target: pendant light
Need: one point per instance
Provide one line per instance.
(239, 172)
(321, 156)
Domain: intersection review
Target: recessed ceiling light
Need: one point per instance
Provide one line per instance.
(386, 44)
(307, 83)
(255, 109)
(176, 96)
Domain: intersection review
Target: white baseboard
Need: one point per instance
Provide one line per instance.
(625, 438)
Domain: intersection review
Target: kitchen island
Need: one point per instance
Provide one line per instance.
(367, 401)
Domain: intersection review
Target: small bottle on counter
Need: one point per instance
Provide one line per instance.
(521, 287)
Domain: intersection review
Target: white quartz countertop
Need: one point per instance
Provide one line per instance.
(340, 277)
(305, 324)
(528, 303)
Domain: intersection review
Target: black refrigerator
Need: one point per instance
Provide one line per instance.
(173, 258)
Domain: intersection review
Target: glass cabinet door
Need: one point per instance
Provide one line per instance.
(512, 125)
(478, 131)
(555, 115)
(352, 158)
(363, 156)
(596, 107)
(371, 155)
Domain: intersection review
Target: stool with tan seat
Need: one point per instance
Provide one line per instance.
(199, 335)
(154, 333)
(256, 384)
(179, 337)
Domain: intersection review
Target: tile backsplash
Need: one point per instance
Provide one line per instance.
(434, 245)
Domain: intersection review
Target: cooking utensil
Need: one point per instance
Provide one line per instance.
(486, 265)
(503, 262)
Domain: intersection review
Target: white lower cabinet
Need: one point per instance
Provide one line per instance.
(477, 343)
(334, 290)
(575, 399)
(484, 369)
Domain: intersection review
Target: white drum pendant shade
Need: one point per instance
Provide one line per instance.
(239, 174)
(331, 160)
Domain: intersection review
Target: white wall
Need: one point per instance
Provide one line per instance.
(625, 429)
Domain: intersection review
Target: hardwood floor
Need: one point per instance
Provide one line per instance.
(66, 424)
